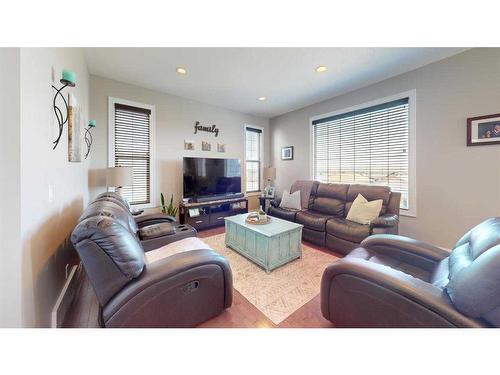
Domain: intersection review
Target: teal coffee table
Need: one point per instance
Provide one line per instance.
(267, 245)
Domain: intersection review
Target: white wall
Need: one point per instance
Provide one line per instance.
(10, 216)
(457, 186)
(45, 223)
(175, 119)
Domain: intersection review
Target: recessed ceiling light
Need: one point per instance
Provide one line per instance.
(181, 70)
(262, 98)
(321, 69)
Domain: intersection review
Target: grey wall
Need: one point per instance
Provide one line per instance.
(457, 186)
(175, 119)
(10, 180)
(46, 221)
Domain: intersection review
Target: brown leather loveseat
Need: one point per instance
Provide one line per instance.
(324, 211)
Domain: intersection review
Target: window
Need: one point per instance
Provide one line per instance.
(131, 146)
(253, 158)
(369, 145)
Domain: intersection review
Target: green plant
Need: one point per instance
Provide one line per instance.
(170, 209)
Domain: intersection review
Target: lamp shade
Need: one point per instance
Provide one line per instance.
(270, 173)
(119, 176)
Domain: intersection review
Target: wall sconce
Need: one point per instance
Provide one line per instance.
(88, 136)
(68, 79)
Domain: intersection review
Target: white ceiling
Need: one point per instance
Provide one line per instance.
(235, 78)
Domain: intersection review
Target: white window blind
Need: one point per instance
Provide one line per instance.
(253, 159)
(367, 146)
(133, 149)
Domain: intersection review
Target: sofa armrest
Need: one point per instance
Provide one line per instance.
(389, 283)
(385, 221)
(395, 245)
(174, 292)
(156, 218)
(275, 202)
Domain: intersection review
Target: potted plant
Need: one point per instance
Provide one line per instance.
(170, 209)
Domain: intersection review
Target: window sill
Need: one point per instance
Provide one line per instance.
(407, 213)
(254, 193)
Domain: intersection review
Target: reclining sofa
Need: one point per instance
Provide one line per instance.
(324, 211)
(183, 284)
(395, 281)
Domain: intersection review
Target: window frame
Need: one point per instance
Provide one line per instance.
(152, 144)
(412, 131)
(261, 156)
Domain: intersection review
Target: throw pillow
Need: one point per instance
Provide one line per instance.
(364, 212)
(291, 200)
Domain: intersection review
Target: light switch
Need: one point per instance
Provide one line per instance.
(51, 193)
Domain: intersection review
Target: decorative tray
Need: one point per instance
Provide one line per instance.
(251, 219)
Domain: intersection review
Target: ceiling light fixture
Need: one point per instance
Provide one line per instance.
(181, 70)
(321, 69)
(262, 98)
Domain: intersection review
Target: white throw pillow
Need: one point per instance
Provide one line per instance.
(291, 200)
(364, 212)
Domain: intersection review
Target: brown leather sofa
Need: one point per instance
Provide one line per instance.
(395, 281)
(179, 290)
(324, 211)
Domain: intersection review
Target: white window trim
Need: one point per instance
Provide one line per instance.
(412, 136)
(111, 143)
(261, 172)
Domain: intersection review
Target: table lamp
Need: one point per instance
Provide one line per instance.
(119, 176)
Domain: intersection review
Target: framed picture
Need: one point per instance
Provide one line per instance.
(206, 146)
(221, 147)
(188, 145)
(269, 192)
(483, 130)
(287, 153)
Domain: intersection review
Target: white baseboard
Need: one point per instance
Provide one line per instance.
(65, 299)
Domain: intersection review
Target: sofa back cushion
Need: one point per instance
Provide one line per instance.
(474, 264)
(110, 208)
(371, 193)
(306, 188)
(330, 199)
(111, 254)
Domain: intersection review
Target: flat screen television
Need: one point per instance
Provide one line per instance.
(206, 178)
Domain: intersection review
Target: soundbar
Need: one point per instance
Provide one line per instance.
(217, 197)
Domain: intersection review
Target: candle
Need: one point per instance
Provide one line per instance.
(92, 123)
(69, 77)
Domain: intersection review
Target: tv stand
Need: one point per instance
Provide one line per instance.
(210, 214)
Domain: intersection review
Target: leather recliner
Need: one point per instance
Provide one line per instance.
(112, 205)
(141, 220)
(395, 281)
(180, 290)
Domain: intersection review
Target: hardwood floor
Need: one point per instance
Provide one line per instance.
(242, 314)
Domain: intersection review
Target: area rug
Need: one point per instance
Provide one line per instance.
(285, 289)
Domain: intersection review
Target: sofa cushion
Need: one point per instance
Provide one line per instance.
(312, 220)
(282, 213)
(330, 199)
(347, 230)
(306, 188)
(371, 193)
